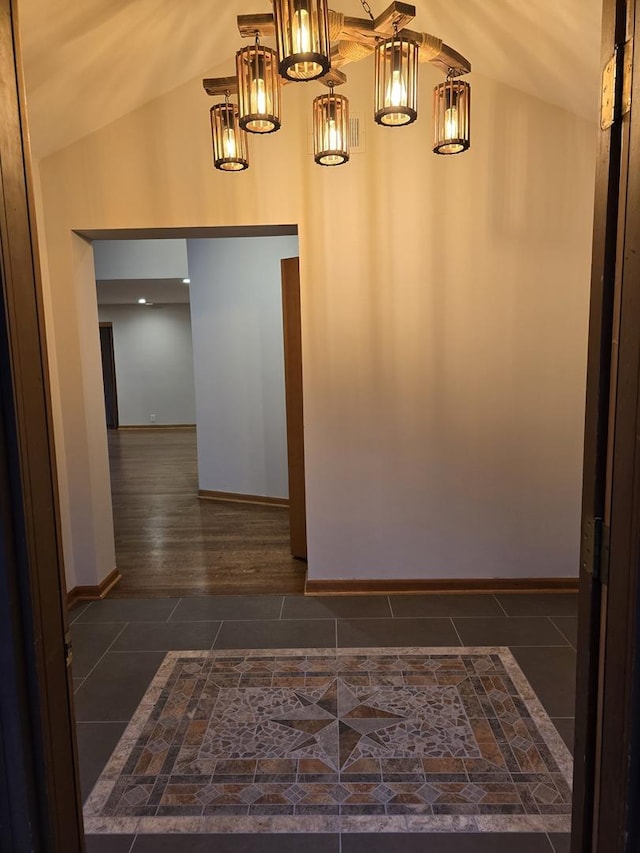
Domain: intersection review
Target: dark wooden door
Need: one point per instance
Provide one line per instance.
(295, 416)
(607, 749)
(40, 808)
(109, 375)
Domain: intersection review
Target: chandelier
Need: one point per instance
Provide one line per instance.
(314, 43)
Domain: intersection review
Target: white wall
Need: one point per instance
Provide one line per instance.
(129, 259)
(444, 317)
(236, 315)
(154, 363)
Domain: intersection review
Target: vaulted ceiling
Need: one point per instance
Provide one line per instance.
(88, 63)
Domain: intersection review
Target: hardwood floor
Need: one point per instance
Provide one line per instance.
(170, 543)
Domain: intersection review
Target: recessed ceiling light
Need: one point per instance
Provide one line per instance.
(186, 281)
(142, 301)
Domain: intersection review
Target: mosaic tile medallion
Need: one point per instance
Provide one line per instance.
(325, 740)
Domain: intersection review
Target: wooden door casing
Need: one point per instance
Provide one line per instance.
(291, 319)
(42, 810)
(607, 726)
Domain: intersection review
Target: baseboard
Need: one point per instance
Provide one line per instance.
(208, 495)
(93, 593)
(157, 426)
(439, 585)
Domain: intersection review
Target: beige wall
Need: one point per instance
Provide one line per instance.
(444, 320)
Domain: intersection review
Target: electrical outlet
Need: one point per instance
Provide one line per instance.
(152, 419)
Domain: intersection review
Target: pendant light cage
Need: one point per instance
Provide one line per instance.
(396, 82)
(331, 129)
(230, 149)
(258, 89)
(452, 116)
(302, 34)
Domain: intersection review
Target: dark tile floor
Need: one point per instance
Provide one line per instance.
(119, 644)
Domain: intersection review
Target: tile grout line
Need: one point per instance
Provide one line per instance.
(456, 630)
(174, 610)
(336, 632)
(103, 654)
(367, 646)
(306, 619)
(531, 645)
(193, 621)
(559, 629)
(78, 615)
(215, 639)
(497, 600)
(103, 722)
(382, 618)
(314, 619)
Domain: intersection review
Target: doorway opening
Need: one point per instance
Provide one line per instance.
(200, 339)
(108, 359)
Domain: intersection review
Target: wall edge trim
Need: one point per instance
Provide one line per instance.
(94, 593)
(439, 585)
(232, 497)
(157, 426)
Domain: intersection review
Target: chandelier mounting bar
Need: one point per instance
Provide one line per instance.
(263, 25)
(396, 16)
(334, 77)
(220, 85)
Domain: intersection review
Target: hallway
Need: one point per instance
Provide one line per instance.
(171, 543)
(119, 645)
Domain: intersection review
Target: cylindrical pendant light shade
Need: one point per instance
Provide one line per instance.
(452, 117)
(331, 129)
(230, 149)
(258, 89)
(302, 32)
(396, 91)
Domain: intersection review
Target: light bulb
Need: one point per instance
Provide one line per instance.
(259, 96)
(451, 123)
(332, 135)
(229, 143)
(396, 94)
(333, 144)
(142, 301)
(301, 32)
(259, 106)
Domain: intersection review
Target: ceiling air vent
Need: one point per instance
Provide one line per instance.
(356, 142)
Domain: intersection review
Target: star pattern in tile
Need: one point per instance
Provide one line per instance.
(339, 722)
